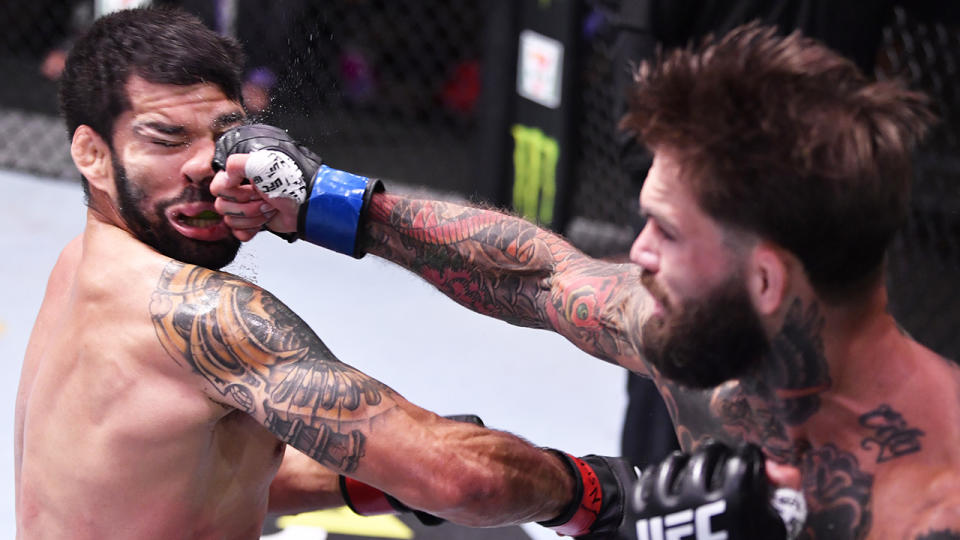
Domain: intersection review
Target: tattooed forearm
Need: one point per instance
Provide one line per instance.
(506, 267)
(599, 306)
(489, 262)
(891, 435)
(259, 354)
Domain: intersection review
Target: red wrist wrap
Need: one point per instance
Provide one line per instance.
(365, 499)
(588, 507)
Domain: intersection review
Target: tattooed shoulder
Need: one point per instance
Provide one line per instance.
(265, 361)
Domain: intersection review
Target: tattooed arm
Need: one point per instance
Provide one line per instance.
(505, 267)
(493, 263)
(256, 355)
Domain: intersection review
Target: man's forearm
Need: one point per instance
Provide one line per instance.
(506, 267)
(491, 262)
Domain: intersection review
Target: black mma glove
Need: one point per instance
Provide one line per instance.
(367, 500)
(332, 202)
(601, 494)
(715, 492)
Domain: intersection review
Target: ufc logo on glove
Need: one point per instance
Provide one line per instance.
(689, 523)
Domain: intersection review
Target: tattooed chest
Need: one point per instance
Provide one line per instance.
(838, 481)
(837, 490)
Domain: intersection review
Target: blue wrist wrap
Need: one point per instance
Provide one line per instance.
(333, 208)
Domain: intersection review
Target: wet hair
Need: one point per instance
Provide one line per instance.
(160, 45)
(782, 137)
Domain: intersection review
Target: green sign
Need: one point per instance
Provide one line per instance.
(535, 158)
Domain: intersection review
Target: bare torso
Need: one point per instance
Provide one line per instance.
(109, 426)
(881, 465)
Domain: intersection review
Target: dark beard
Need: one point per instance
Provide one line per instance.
(708, 341)
(157, 232)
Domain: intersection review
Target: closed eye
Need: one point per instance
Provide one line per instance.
(664, 233)
(654, 225)
(168, 144)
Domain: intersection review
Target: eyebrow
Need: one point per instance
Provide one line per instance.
(219, 123)
(228, 119)
(161, 127)
(646, 213)
(661, 220)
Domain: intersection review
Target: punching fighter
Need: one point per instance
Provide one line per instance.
(162, 398)
(755, 297)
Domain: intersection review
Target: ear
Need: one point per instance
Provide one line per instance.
(91, 154)
(767, 278)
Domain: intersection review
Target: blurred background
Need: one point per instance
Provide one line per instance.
(511, 103)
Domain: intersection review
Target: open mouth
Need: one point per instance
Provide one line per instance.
(204, 219)
(198, 221)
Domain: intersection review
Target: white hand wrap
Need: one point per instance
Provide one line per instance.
(276, 175)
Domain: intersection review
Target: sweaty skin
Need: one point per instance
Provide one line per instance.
(866, 414)
(158, 397)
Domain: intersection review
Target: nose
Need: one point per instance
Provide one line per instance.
(644, 251)
(199, 165)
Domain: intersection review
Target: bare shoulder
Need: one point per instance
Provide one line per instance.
(200, 314)
(58, 288)
(234, 305)
(193, 306)
(69, 258)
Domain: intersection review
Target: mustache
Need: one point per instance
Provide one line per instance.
(193, 193)
(654, 288)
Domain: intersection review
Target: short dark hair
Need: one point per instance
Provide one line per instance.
(785, 138)
(161, 45)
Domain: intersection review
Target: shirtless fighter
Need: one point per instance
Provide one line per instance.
(158, 396)
(756, 299)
